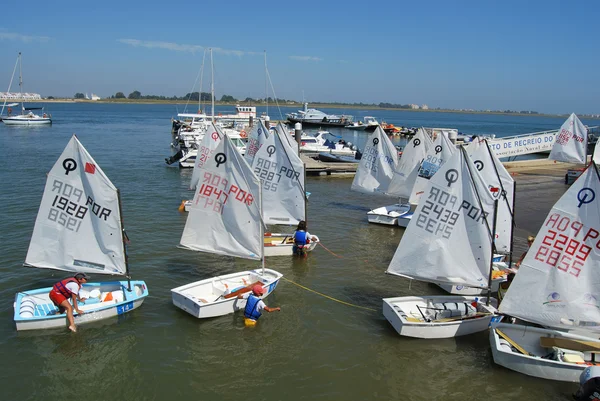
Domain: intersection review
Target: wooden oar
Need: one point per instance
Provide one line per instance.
(451, 319)
(568, 343)
(514, 344)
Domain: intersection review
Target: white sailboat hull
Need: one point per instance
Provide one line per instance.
(528, 338)
(25, 120)
(207, 298)
(389, 215)
(405, 317)
(464, 290)
(283, 244)
(33, 310)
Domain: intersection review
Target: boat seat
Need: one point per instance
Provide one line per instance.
(571, 344)
(45, 309)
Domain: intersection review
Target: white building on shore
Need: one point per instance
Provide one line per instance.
(20, 96)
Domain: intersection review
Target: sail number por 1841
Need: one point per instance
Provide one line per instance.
(215, 191)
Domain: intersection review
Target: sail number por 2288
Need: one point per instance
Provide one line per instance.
(564, 253)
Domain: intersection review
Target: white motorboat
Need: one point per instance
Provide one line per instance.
(225, 219)
(308, 116)
(80, 214)
(438, 316)
(27, 116)
(544, 353)
(557, 286)
(456, 250)
(367, 122)
(320, 143)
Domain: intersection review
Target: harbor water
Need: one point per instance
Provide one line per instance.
(315, 348)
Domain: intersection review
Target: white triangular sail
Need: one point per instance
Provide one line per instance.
(558, 283)
(225, 215)
(285, 135)
(376, 167)
(258, 134)
(78, 226)
(282, 175)
(448, 240)
(441, 150)
(406, 172)
(570, 144)
(501, 186)
(596, 157)
(210, 141)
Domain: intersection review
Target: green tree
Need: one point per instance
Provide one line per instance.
(119, 95)
(228, 98)
(135, 95)
(79, 96)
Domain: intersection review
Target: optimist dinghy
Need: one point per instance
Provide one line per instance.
(558, 287)
(79, 229)
(225, 219)
(450, 241)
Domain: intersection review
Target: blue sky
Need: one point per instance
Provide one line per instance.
(534, 55)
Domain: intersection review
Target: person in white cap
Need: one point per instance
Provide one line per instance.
(65, 290)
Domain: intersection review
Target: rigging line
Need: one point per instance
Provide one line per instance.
(195, 82)
(333, 253)
(10, 84)
(274, 95)
(328, 297)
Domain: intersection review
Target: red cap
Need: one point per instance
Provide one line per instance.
(258, 289)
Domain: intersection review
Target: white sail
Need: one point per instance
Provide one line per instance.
(441, 150)
(258, 134)
(558, 283)
(570, 145)
(282, 175)
(225, 216)
(376, 167)
(448, 240)
(283, 132)
(596, 157)
(501, 186)
(210, 141)
(406, 172)
(78, 226)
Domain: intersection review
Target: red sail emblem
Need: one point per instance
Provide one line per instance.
(90, 168)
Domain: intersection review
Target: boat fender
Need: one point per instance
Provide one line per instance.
(589, 384)
(27, 308)
(181, 207)
(243, 134)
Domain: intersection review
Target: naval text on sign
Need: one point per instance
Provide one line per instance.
(567, 244)
(522, 145)
(441, 210)
(270, 173)
(215, 191)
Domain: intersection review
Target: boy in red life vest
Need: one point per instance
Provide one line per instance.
(66, 290)
(255, 306)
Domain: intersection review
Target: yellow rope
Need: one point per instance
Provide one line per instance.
(328, 297)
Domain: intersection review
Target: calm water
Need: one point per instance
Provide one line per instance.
(313, 349)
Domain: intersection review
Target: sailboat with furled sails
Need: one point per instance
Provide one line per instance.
(225, 218)
(79, 229)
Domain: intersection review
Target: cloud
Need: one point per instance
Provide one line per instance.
(182, 47)
(306, 58)
(22, 38)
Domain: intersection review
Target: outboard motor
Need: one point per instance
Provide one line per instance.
(589, 384)
(176, 157)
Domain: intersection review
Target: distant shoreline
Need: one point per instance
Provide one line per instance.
(313, 105)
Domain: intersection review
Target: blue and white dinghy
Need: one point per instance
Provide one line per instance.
(79, 229)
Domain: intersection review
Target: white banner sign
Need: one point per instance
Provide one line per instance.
(523, 144)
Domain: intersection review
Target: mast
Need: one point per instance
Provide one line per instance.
(266, 84)
(489, 289)
(262, 227)
(201, 78)
(21, 83)
(212, 86)
(127, 274)
(512, 231)
(10, 83)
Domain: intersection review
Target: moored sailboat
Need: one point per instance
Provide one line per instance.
(225, 218)
(79, 229)
(449, 242)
